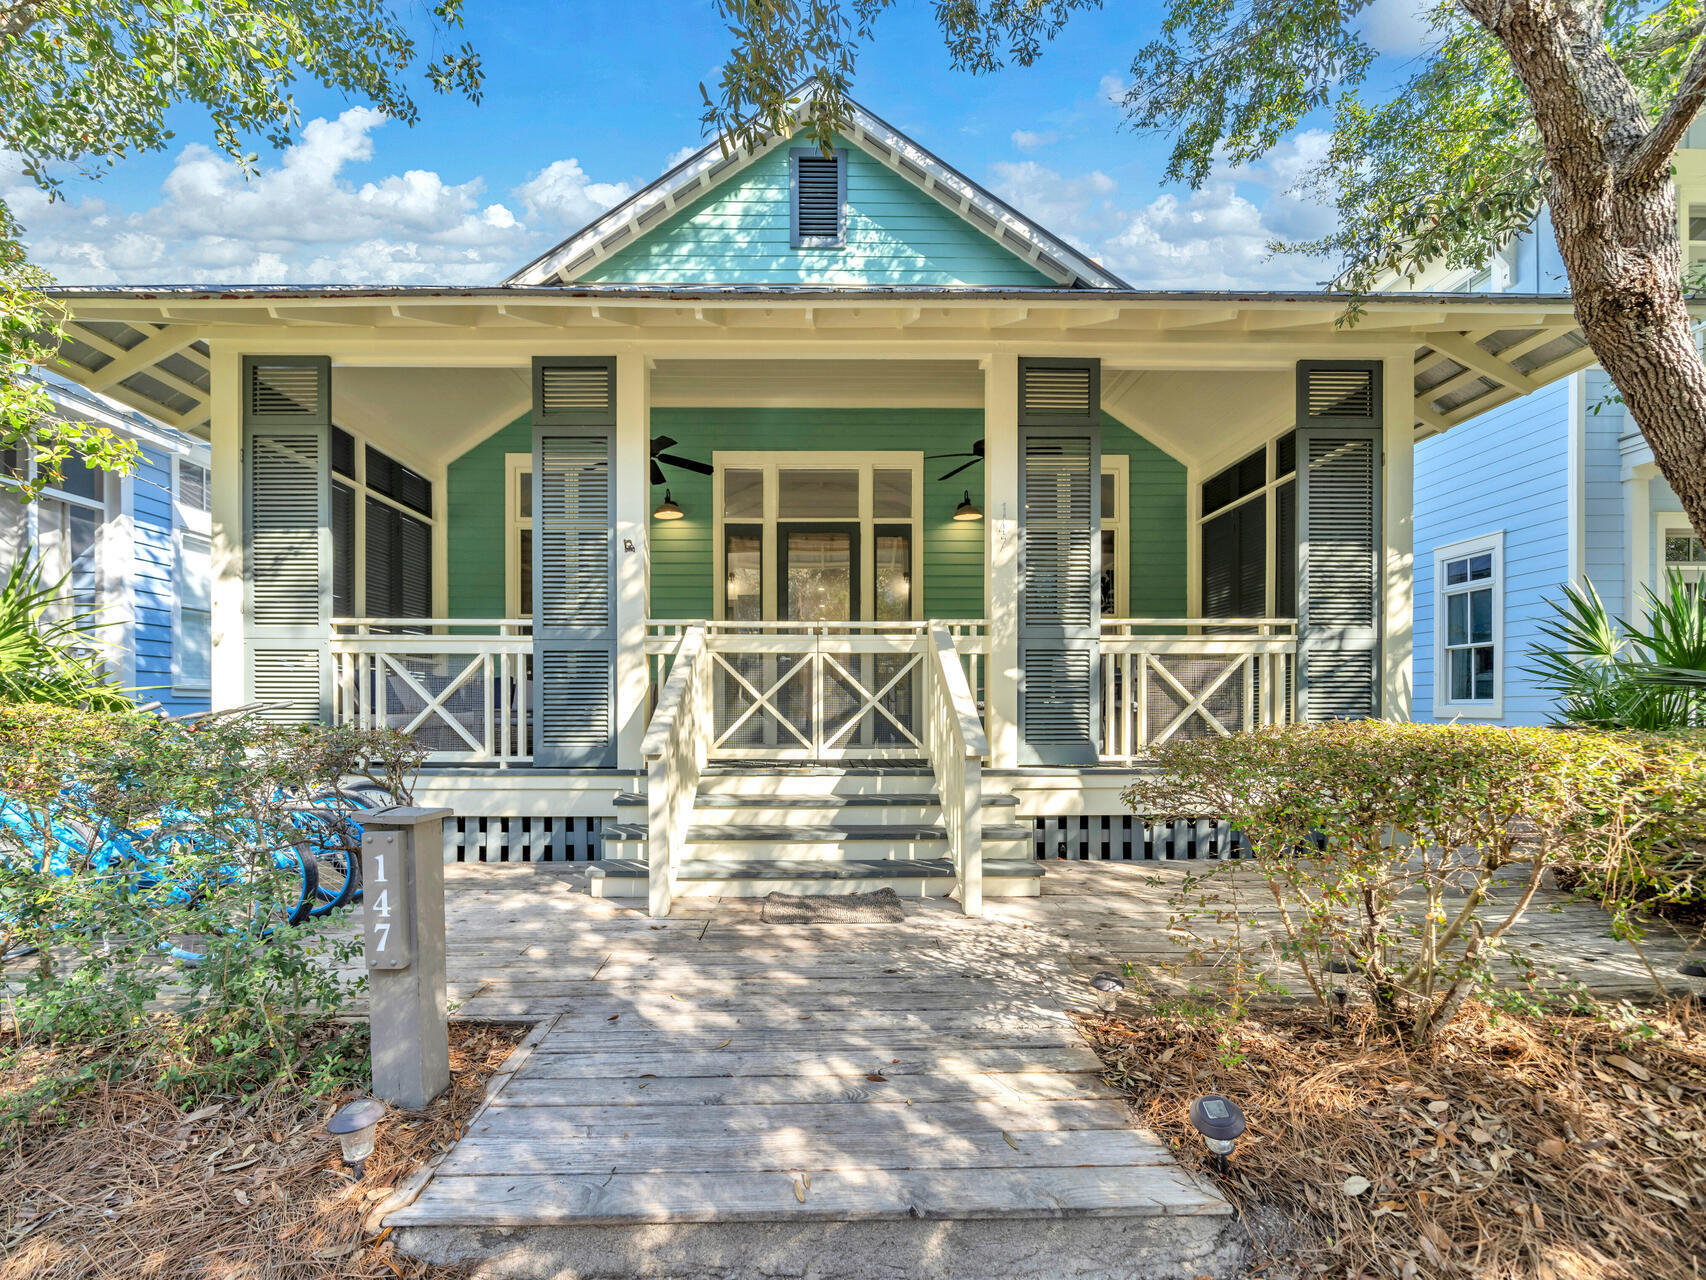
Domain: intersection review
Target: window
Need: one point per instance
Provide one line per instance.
(381, 544)
(1696, 235)
(192, 578)
(1248, 532)
(69, 518)
(1468, 626)
(1684, 553)
(1115, 545)
(518, 519)
(818, 185)
(818, 536)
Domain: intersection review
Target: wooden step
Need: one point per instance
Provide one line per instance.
(779, 778)
(755, 877)
(822, 808)
(832, 842)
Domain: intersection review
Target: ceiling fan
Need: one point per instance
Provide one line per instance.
(658, 454)
(976, 456)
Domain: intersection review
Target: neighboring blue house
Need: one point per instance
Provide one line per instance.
(1555, 488)
(136, 548)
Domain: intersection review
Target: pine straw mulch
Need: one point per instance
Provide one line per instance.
(128, 1185)
(1545, 1148)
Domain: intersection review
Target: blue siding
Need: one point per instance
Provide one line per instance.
(1605, 554)
(153, 566)
(1508, 469)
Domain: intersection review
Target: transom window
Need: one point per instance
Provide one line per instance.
(818, 537)
(1469, 591)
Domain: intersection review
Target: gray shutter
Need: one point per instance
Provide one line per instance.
(287, 533)
(574, 590)
(577, 391)
(818, 186)
(1060, 594)
(1339, 540)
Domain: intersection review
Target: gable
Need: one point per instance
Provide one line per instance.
(741, 232)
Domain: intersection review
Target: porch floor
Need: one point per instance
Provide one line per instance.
(710, 1068)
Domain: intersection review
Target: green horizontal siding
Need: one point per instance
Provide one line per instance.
(682, 565)
(740, 233)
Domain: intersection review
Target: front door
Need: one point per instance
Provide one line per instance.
(818, 571)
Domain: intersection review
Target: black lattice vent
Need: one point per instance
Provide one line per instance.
(1125, 838)
(524, 839)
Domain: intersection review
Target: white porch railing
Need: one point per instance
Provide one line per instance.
(817, 691)
(1193, 677)
(957, 745)
(461, 686)
(675, 747)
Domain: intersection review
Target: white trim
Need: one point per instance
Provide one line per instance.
(1576, 476)
(516, 465)
(1484, 709)
(1118, 465)
(865, 462)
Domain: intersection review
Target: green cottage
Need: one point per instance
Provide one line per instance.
(811, 521)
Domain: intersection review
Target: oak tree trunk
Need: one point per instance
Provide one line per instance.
(1614, 213)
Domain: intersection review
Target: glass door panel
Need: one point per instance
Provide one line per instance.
(819, 570)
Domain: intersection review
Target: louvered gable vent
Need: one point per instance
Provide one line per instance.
(819, 185)
(1059, 393)
(580, 391)
(280, 390)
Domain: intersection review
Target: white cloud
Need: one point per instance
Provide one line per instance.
(1214, 238)
(306, 220)
(1401, 27)
(1028, 140)
(680, 154)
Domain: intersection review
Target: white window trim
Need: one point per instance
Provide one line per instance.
(1666, 524)
(772, 461)
(516, 465)
(194, 521)
(1118, 465)
(1487, 709)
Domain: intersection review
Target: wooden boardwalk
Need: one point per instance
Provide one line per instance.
(711, 1068)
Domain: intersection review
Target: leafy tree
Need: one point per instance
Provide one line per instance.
(1579, 105)
(86, 83)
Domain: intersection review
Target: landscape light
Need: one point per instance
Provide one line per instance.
(355, 1126)
(1107, 987)
(1220, 1120)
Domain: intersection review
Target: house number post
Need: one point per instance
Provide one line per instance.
(402, 889)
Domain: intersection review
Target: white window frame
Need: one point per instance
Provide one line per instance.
(1269, 494)
(197, 523)
(1477, 709)
(770, 462)
(1118, 465)
(1669, 524)
(516, 465)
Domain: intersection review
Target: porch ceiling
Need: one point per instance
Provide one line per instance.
(150, 348)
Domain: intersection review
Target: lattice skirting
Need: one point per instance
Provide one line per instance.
(524, 839)
(1126, 838)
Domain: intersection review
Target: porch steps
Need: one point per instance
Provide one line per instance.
(755, 877)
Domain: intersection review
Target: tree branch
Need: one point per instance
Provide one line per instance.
(1652, 155)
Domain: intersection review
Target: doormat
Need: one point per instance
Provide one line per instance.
(879, 907)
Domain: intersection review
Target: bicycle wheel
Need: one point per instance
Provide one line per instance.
(335, 843)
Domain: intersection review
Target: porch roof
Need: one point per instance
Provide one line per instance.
(149, 347)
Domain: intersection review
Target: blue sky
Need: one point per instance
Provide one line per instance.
(585, 103)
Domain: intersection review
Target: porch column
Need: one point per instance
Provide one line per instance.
(1398, 503)
(1001, 555)
(633, 521)
(225, 433)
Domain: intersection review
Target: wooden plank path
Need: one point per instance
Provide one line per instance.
(713, 1069)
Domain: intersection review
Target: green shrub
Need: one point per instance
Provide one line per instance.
(1378, 844)
(49, 659)
(207, 808)
(1608, 673)
(1652, 850)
